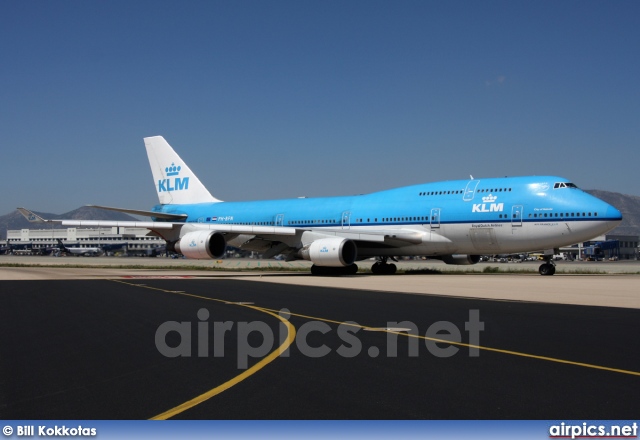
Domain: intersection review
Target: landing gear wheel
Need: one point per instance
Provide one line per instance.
(380, 268)
(334, 271)
(547, 269)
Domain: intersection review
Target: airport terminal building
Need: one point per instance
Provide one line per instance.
(132, 241)
(626, 249)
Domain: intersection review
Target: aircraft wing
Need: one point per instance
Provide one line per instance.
(35, 218)
(116, 223)
(233, 229)
(409, 236)
(143, 213)
(270, 233)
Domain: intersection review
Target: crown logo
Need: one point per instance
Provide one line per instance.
(173, 170)
(489, 199)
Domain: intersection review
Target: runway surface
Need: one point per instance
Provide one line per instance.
(88, 349)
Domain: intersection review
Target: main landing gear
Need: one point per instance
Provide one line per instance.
(548, 268)
(381, 267)
(334, 271)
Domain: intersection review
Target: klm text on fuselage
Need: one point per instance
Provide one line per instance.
(493, 207)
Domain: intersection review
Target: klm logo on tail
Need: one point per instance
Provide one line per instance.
(488, 200)
(174, 184)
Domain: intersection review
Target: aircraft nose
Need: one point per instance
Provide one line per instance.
(613, 214)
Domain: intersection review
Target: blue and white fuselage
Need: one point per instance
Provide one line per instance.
(474, 217)
(456, 221)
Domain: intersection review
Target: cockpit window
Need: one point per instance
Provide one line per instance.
(564, 185)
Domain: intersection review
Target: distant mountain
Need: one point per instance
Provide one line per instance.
(15, 220)
(628, 205)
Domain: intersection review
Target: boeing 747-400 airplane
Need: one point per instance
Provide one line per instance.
(455, 221)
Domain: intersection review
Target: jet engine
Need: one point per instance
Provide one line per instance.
(330, 252)
(202, 245)
(460, 259)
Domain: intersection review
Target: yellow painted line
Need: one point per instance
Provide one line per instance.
(479, 347)
(234, 381)
(291, 337)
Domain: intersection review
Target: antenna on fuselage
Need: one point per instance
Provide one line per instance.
(471, 176)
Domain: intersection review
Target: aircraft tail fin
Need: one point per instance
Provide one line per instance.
(32, 217)
(175, 182)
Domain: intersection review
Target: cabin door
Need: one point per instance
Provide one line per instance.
(470, 190)
(516, 216)
(346, 220)
(435, 218)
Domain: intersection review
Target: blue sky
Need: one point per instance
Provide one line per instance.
(311, 98)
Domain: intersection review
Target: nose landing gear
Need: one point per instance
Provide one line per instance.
(548, 268)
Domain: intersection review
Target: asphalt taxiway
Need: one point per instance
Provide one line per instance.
(303, 347)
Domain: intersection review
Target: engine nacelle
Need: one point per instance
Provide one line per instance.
(331, 252)
(460, 259)
(202, 245)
